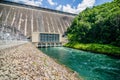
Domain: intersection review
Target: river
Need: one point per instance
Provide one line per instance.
(90, 66)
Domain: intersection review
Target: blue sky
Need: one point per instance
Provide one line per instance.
(71, 6)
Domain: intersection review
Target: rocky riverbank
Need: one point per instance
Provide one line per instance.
(26, 62)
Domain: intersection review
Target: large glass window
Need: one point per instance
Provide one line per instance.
(44, 37)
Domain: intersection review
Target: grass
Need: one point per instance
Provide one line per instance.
(98, 48)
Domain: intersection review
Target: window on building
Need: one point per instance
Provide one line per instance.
(44, 37)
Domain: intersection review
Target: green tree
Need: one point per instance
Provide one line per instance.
(101, 24)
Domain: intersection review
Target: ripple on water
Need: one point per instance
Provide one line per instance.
(90, 65)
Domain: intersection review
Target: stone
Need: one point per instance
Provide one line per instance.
(26, 62)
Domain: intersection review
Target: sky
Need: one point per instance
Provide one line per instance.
(70, 6)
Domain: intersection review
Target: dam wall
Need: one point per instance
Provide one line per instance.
(29, 20)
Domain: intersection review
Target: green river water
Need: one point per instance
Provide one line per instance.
(90, 66)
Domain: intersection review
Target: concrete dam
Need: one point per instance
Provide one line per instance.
(44, 27)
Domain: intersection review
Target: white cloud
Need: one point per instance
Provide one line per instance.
(51, 2)
(39, 2)
(85, 3)
(30, 2)
(81, 6)
(59, 7)
(68, 8)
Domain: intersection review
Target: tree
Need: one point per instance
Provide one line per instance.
(101, 24)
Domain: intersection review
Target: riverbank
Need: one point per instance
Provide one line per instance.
(26, 62)
(97, 48)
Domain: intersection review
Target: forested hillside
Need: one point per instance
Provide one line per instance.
(100, 24)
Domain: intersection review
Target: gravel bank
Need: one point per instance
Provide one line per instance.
(25, 62)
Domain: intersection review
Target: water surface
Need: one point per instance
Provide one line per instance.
(89, 65)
